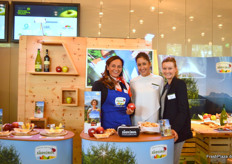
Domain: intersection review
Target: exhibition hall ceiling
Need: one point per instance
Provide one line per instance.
(179, 25)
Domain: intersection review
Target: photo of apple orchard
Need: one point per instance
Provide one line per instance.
(92, 113)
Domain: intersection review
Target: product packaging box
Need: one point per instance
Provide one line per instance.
(92, 110)
(39, 109)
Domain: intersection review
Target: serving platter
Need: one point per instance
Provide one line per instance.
(5, 133)
(29, 133)
(45, 133)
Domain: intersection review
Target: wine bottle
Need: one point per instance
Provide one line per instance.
(38, 62)
(223, 117)
(46, 62)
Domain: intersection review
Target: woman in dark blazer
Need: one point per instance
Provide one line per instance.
(174, 105)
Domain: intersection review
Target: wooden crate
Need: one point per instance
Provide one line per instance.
(213, 150)
(204, 157)
(187, 160)
(189, 147)
(211, 144)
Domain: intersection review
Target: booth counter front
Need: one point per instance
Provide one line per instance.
(38, 149)
(146, 148)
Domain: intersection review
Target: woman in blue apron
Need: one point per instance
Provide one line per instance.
(115, 95)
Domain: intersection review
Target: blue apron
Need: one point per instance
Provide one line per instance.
(114, 110)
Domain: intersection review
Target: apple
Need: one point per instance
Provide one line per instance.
(2, 11)
(91, 131)
(58, 69)
(69, 13)
(69, 100)
(213, 117)
(205, 116)
(100, 130)
(131, 106)
(65, 69)
(7, 127)
(15, 125)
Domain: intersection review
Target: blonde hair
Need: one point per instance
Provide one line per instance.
(173, 60)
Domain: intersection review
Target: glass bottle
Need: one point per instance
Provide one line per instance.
(46, 62)
(38, 62)
(223, 117)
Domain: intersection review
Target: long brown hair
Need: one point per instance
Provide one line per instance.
(106, 79)
(173, 60)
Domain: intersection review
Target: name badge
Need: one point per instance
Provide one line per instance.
(171, 96)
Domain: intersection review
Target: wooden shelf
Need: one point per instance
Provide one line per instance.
(69, 92)
(60, 43)
(54, 73)
(48, 42)
(41, 123)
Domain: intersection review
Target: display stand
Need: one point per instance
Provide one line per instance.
(50, 87)
(39, 149)
(146, 148)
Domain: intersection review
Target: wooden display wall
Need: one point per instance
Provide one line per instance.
(53, 87)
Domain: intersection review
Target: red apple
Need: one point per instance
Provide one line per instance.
(91, 131)
(15, 125)
(58, 69)
(205, 116)
(100, 130)
(7, 127)
(131, 106)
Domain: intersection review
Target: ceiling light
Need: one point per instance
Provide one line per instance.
(202, 34)
(149, 37)
(141, 21)
(174, 28)
(191, 18)
(133, 30)
(162, 35)
(101, 13)
(220, 26)
(223, 39)
(152, 8)
(132, 11)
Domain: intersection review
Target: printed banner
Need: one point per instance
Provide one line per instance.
(96, 61)
(208, 81)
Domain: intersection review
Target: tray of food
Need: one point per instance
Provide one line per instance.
(5, 133)
(110, 131)
(49, 133)
(99, 136)
(24, 132)
(149, 127)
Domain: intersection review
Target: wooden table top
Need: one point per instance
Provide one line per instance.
(38, 137)
(205, 130)
(143, 137)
